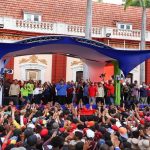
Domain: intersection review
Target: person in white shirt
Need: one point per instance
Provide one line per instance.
(37, 93)
(100, 93)
(14, 91)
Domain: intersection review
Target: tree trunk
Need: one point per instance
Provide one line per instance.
(88, 34)
(88, 29)
(142, 44)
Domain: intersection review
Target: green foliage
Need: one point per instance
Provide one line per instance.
(137, 3)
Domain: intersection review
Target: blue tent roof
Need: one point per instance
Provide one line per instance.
(75, 47)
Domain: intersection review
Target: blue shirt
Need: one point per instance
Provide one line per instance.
(86, 91)
(61, 89)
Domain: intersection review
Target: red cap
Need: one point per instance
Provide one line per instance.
(142, 121)
(62, 129)
(141, 114)
(115, 128)
(90, 124)
(44, 132)
(73, 126)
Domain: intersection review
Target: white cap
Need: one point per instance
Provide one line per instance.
(31, 125)
(118, 124)
(90, 133)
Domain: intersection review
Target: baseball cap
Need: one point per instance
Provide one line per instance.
(62, 129)
(73, 126)
(115, 128)
(44, 132)
(90, 133)
(101, 141)
(123, 132)
(90, 124)
(142, 121)
(31, 125)
(34, 120)
(118, 124)
(141, 114)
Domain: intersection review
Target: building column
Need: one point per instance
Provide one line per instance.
(58, 67)
(85, 72)
(147, 71)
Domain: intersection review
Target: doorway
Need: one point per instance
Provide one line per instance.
(79, 76)
(33, 74)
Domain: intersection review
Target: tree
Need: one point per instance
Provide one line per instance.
(144, 4)
(88, 29)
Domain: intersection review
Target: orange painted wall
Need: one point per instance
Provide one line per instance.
(109, 70)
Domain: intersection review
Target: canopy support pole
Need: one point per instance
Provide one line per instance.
(117, 83)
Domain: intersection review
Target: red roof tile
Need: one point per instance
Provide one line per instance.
(74, 11)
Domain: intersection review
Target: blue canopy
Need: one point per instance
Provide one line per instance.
(76, 47)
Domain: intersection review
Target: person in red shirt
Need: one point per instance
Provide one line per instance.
(92, 93)
(148, 94)
(110, 93)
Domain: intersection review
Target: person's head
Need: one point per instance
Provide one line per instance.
(57, 142)
(28, 132)
(78, 135)
(95, 83)
(15, 82)
(32, 140)
(46, 86)
(110, 82)
(79, 146)
(92, 84)
(136, 134)
(135, 82)
(69, 83)
(100, 84)
(113, 121)
(126, 145)
(62, 82)
(24, 85)
(104, 147)
(39, 85)
(80, 126)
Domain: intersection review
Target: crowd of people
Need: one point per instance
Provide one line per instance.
(77, 93)
(74, 116)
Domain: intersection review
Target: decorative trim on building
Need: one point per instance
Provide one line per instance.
(33, 59)
(29, 66)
